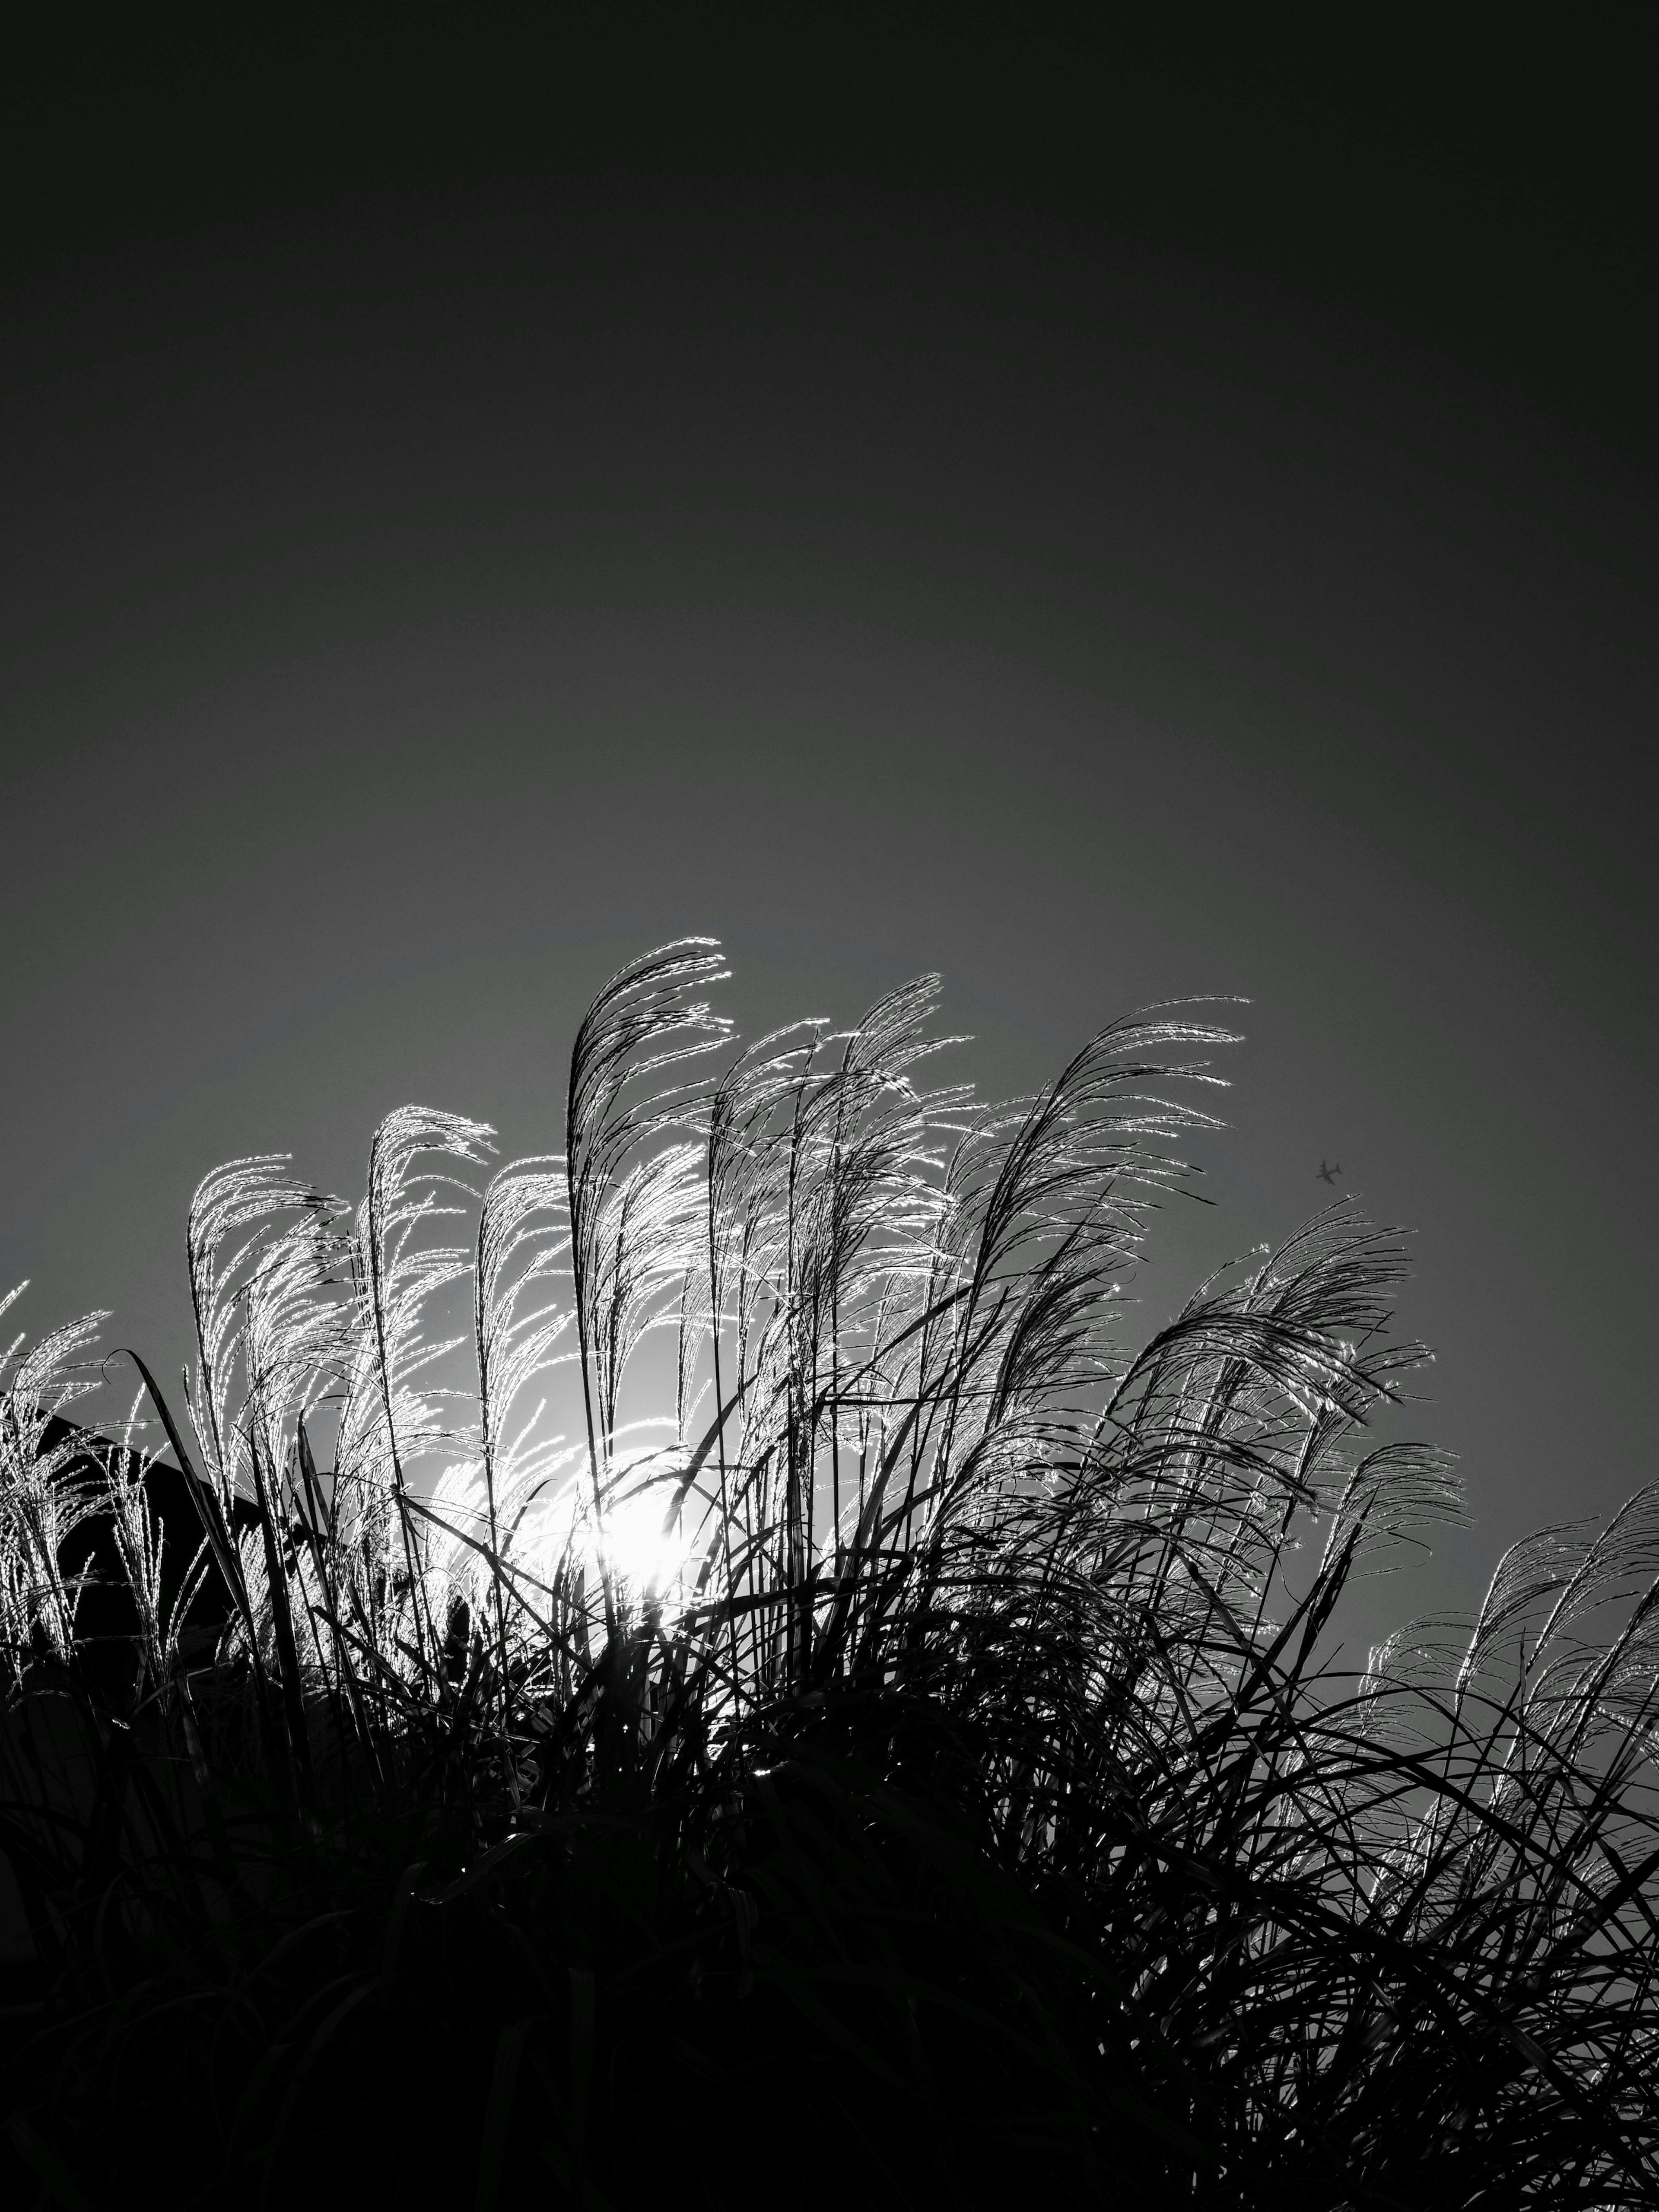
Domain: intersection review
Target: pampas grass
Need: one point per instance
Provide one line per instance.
(711, 1663)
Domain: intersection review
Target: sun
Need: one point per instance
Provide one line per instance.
(633, 1543)
(627, 1539)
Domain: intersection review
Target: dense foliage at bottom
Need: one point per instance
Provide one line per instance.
(942, 1795)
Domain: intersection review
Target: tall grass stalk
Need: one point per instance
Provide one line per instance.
(900, 1733)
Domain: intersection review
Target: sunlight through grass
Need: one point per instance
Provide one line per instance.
(727, 1613)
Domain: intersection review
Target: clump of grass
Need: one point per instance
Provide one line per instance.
(710, 1664)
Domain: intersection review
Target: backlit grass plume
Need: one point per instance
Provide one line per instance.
(711, 1661)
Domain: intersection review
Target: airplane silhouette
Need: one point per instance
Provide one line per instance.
(1328, 1174)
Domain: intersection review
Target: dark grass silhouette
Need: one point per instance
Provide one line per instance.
(889, 1758)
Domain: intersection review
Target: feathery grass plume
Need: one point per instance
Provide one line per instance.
(518, 1321)
(390, 1419)
(644, 1022)
(235, 1202)
(141, 1546)
(48, 1493)
(898, 1696)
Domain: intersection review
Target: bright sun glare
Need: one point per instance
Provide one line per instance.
(630, 1540)
(635, 1547)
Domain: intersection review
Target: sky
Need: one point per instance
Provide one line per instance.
(1104, 526)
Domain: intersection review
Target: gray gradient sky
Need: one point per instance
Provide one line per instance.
(415, 605)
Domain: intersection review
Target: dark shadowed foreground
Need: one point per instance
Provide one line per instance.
(884, 1757)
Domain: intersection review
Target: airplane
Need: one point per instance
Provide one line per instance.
(1328, 1174)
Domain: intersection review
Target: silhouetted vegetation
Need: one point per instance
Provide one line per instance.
(887, 1757)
